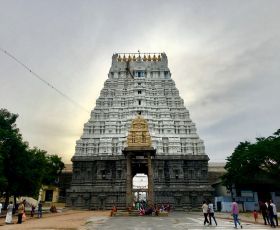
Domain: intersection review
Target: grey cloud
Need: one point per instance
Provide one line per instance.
(224, 57)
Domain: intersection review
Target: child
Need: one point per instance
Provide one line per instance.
(32, 210)
(255, 214)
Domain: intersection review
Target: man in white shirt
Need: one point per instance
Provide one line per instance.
(1, 206)
(274, 212)
(205, 212)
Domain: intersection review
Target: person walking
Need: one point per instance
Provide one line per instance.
(235, 212)
(20, 212)
(275, 217)
(32, 210)
(255, 215)
(40, 209)
(211, 212)
(1, 206)
(9, 215)
(263, 209)
(271, 214)
(205, 212)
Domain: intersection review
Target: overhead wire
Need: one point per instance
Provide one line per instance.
(43, 80)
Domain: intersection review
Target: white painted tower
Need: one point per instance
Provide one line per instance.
(139, 84)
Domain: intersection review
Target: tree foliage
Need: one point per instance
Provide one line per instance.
(253, 165)
(53, 168)
(23, 169)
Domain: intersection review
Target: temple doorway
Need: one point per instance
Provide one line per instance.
(139, 162)
(140, 187)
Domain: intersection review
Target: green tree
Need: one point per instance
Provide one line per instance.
(23, 169)
(253, 165)
(3, 181)
(53, 168)
(10, 143)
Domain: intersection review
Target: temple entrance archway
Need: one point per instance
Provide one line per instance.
(139, 154)
(139, 161)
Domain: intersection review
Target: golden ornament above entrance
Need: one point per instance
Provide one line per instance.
(138, 135)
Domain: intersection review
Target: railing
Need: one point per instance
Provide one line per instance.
(140, 53)
(151, 56)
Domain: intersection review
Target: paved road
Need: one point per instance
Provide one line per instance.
(174, 221)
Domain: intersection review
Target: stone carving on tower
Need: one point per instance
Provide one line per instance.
(139, 83)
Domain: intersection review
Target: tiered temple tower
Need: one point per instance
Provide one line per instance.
(104, 164)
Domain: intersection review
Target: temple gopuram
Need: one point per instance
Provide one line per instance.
(139, 126)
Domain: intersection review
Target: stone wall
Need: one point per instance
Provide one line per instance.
(100, 182)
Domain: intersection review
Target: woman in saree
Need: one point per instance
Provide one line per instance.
(9, 215)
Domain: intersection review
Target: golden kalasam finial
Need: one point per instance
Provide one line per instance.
(124, 58)
(119, 58)
(129, 58)
(149, 58)
(139, 58)
(159, 58)
(138, 135)
(133, 58)
(154, 58)
(144, 58)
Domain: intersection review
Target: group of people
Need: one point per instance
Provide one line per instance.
(21, 212)
(144, 209)
(269, 213)
(150, 210)
(208, 212)
(267, 209)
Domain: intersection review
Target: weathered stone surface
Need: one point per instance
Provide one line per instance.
(98, 183)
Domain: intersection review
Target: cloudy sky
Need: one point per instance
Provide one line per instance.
(224, 57)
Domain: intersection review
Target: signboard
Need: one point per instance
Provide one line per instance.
(247, 193)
